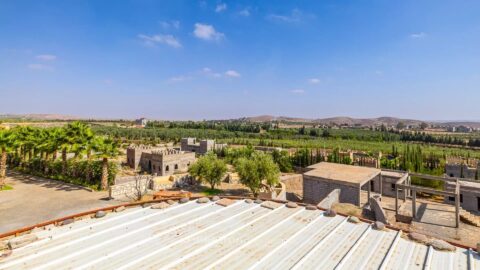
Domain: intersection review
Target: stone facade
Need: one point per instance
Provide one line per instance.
(462, 168)
(159, 161)
(201, 147)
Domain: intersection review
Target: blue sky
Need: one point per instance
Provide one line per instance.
(226, 59)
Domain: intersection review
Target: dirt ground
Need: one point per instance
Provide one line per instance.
(34, 199)
(434, 218)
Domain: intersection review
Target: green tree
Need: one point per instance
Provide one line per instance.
(258, 170)
(283, 160)
(6, 145)
(423, 125)
(400, 125)
(209, 169)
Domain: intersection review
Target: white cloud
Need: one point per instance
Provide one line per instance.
(295, 16)
(209, 72)
(46, 57)
(418, 35)
(232, 73)
(244, 12)
(221, 7)
(170, 25)
(298, 91)
(160, 39)
(39, 67)
(207, 32)
(314, 81)
(179, 79)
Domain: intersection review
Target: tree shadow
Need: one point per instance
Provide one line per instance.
(44, 182)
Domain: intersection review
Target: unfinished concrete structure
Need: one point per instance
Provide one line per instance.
(462, 168)
(324, 177)
(159, 160)
(411, 190)
(469, 194)
(201, 147)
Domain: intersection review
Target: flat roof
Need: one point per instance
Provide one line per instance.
(393, 174)
(348, 174)
(240, 236)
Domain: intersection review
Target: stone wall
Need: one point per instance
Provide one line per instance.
(461, 171)
(315, 189)
(331, 199)
(376, 207)
(128, 186)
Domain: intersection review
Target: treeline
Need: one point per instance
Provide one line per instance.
(241, 126)
(429, 138)
(35, 151)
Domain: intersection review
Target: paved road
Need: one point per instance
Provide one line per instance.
(34, 200)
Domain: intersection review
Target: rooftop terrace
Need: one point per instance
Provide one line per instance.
(349, 174)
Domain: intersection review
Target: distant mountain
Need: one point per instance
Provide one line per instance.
(38, 116)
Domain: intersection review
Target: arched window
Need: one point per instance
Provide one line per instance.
(176, 166)
(167, 168)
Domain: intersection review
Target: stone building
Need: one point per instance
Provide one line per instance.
(159, 160)
(201, 147)
(462, 168)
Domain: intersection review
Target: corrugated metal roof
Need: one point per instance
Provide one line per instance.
(240, 236)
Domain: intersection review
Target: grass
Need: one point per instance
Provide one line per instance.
(211, 192)
(6, 187)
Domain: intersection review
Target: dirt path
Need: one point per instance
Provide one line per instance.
(35, 199)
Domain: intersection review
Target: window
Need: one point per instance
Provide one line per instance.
(478, 203)
(451, 175)
(176, 166)
(167, 168)
(461, 198)
(154, 167)
(393, 187)
(372, 185)
(451, 198)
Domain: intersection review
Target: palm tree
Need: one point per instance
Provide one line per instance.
(107, 148)
(6, 145)
(91, 147)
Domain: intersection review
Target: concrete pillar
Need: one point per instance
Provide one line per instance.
(414, 204)
(359, 196)
(396, 200)
(457, 211)
(381, 184)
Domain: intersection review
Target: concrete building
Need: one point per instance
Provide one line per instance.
(324, 177)
(462, 168)
(469, 195)
(201, 147)
(141, 122)
(159, 160)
